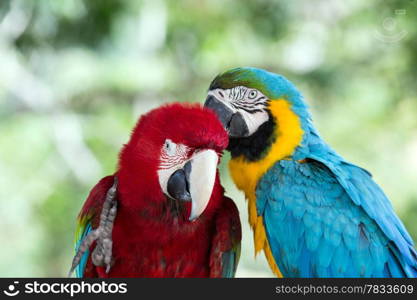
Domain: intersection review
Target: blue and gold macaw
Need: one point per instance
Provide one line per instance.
(313, 213)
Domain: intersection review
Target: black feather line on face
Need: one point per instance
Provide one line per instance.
(248, 107)
(250, 110)
(260, 100)
(256, 146)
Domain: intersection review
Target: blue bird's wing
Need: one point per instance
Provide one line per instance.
(82, 231)
(88, 220)
(332, 221)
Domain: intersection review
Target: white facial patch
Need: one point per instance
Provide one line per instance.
(250, 103)
(173, 157)
(254, 120)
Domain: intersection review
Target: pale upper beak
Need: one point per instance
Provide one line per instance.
(194, 181)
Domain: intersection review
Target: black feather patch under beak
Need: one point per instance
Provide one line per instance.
(179, 183)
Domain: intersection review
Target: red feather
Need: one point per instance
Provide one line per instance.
(151, 239)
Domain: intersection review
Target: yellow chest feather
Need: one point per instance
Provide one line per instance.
(247, 174)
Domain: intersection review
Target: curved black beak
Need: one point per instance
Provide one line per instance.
(223, 112)
(232, 121)
(179, 183)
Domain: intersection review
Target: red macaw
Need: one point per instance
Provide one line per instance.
(163, 213)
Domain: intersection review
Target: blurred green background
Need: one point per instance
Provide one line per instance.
(76, 74)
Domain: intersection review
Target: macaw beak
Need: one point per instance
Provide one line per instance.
(195, 181)
(232, 120)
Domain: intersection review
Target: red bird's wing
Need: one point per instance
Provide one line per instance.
(225, 252)
(89, 219)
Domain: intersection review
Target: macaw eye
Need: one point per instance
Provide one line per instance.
(252, 94)
(170, 147)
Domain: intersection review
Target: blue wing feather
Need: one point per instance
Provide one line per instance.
(329, 218)
(79, 270)
(229, 260)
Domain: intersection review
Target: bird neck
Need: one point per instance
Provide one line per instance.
(282, 142)
(285, 135)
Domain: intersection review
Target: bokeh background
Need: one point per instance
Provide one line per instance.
(76, 74)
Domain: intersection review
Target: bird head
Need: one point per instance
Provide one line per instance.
(252, 104)
(171, 159)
